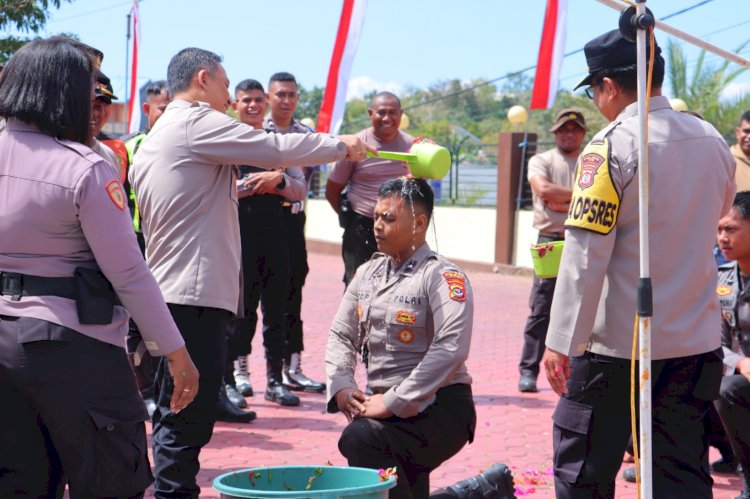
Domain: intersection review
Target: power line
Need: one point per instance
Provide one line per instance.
(95, 11)
(521, 71)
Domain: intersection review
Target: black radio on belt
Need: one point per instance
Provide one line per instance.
(345, 211)
(95, 298)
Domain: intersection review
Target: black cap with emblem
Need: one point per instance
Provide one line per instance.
(610, 50)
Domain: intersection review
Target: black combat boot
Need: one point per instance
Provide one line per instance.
(276, 391)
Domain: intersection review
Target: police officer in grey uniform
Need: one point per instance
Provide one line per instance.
(283, 96)
(408, 312)
(185, 180)
(589, 340)
(733, 291)
(551, 176)
(69, 268)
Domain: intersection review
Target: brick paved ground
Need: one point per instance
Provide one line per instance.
(513, 428)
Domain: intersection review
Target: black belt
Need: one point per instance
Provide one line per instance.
(555, 235)
(18, 285)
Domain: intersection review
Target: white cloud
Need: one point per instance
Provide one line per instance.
(363, 85)
(734, 91)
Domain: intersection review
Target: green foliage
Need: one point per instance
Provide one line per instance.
(23, 15)
(702, 90)
(309, 103)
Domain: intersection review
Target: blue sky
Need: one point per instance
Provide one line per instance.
(404, 43)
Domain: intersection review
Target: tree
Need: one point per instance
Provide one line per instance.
(309, 103)
(24, 15)
(702, 91)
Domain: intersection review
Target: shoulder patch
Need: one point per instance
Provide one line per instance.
(456, 285)
(595, 202)
(114, 190)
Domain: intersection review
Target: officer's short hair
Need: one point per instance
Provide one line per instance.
(248, 85)
(157, 88)
(414, 191)
(48, 83)
(627, 76)
(186, 63)
(282, 76)
(745, 117)
(385, 95)
(742, 204)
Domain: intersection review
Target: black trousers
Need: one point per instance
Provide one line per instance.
(298, 270)
(535, 332)
(178, 438)
(71, 413)
(415, 445)
(733, 407)
(592, 426)
(358, 243)
(265, 272)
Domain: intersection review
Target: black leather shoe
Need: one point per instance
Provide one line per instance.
(725, 465)
(276, 392)
(628, 474)
(235, 397)
(495, 482)
(150, 406)
(246, 389)
(527, 384)
(227, 411)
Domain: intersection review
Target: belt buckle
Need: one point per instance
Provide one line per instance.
(12, 284)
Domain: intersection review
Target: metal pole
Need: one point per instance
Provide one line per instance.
(524, 146)
(644, 284)
(127, 63)
(686, 37)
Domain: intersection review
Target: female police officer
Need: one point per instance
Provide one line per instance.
(71, 411)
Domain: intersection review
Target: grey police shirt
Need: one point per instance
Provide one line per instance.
(691, 187)
(185, 182)
(62, 206)
(416, 326)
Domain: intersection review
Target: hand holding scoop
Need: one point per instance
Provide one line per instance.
(425, 160)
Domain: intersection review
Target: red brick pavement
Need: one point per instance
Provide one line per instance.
(513, 428)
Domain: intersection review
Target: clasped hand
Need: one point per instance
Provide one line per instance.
(355, 404)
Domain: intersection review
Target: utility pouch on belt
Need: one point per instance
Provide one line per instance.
(345, 212)
(95, 298)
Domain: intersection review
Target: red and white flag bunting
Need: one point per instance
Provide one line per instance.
(134, 104)
(334, 99)
(551, 51)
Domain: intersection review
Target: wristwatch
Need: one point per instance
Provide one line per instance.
(281, 184)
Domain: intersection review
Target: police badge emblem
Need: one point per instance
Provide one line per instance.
(723, 290)
(590, 163)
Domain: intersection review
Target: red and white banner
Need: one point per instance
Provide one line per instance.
(551, 51)
(134, 104)
(334, 99)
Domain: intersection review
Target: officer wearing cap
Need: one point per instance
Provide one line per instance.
(551, 177)
(100, 111)
(589, 340)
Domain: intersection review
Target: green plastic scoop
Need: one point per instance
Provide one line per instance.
(425, 160)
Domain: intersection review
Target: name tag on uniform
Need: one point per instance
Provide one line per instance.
(595, 203)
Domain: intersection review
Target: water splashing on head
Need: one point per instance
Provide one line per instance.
(402, 215)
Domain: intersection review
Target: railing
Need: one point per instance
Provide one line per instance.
(472, 179)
